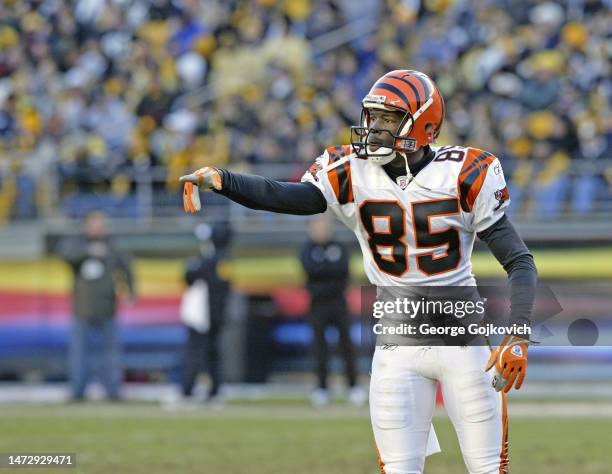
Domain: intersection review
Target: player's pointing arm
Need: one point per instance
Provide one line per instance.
(255, 192)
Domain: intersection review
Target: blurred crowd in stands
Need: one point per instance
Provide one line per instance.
(97, 97)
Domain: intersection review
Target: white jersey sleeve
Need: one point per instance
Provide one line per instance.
(331, 174)
(482, 190)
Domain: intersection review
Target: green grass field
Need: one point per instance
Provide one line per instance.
(286, 438)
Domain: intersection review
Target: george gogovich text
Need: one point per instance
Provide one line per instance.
(459, 309)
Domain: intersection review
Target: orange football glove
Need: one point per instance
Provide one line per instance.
(510, 362)
(206, 178)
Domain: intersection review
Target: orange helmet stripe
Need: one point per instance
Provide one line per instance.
(383, 88)
(424, 83)
(414, 91)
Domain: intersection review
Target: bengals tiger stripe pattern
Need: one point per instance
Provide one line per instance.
(408, 86)
(381, 464)
(472, 176)
(340, 176)
(504, 461)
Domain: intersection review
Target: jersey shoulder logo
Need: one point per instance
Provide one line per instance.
(502, 195)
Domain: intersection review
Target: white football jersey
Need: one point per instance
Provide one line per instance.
(419, 231)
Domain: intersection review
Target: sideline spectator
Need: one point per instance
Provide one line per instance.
(95, 263)
(326, 263)
(202, 310)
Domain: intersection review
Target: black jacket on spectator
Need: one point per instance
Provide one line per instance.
(96, 264)
(327, 268)
(205, 268)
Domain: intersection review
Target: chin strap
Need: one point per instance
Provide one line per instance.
(408, 173)
(412, 178)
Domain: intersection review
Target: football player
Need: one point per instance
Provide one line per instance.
(415, 210)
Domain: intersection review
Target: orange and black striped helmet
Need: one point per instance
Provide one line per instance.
(412, 93)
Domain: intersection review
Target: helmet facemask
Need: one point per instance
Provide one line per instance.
(364, 148)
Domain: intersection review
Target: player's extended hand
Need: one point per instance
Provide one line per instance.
(206, 178)
(510, 362)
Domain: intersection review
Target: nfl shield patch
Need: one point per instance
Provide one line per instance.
(402, 181)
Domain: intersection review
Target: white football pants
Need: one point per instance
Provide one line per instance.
(402, 401)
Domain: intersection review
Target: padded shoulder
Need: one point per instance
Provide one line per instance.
(472, 176)
(340, 175)
(337, 152)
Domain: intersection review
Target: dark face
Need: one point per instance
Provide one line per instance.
(383, 120)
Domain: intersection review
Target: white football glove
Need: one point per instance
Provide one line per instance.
(510, 363)
(206, 178)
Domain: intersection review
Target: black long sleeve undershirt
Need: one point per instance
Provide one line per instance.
(257, 192)
(512, 253)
